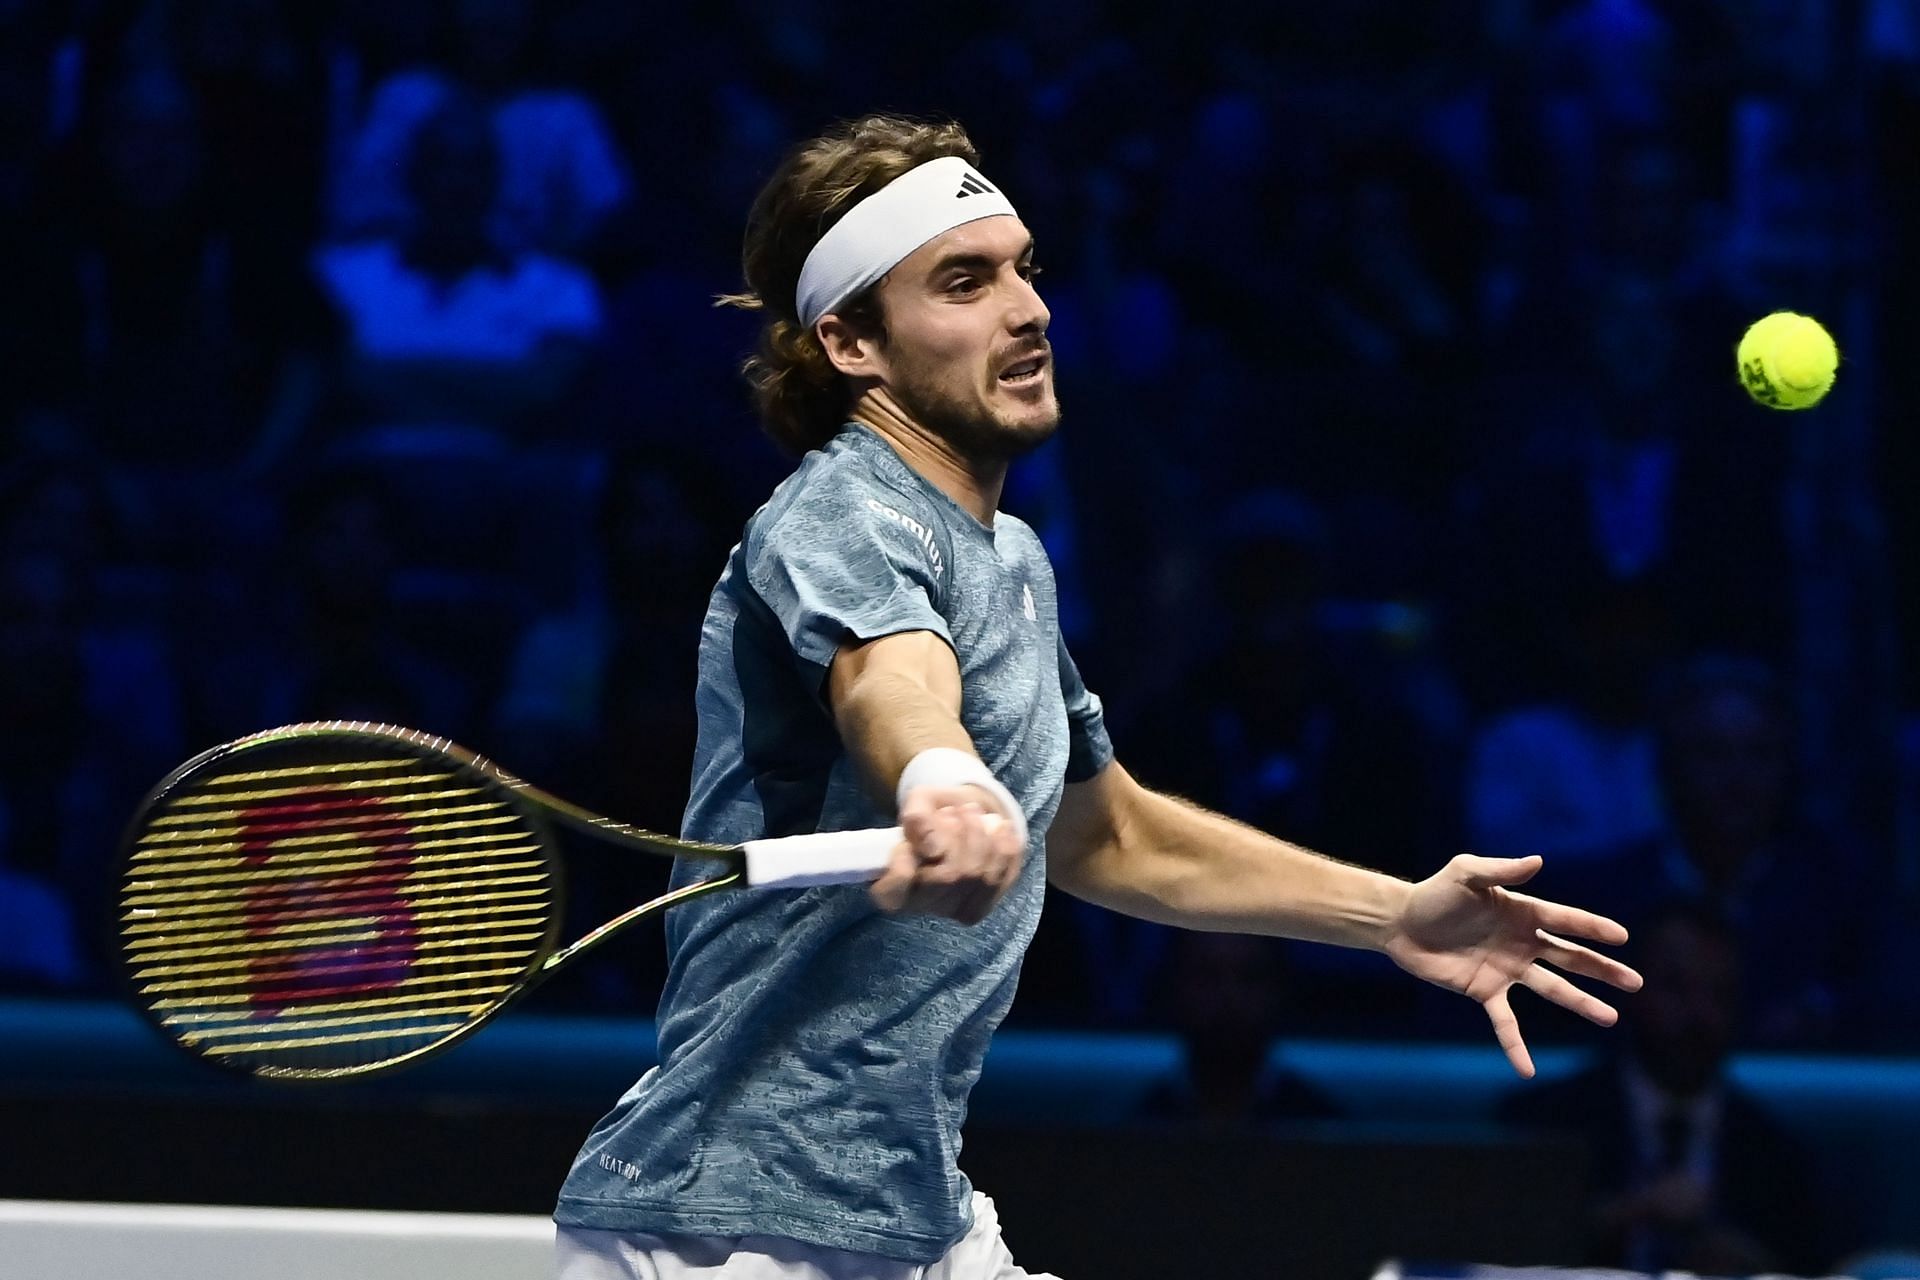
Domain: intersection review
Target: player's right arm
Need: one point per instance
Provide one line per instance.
(893, 698)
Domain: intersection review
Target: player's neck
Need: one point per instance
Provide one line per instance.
(973, 483)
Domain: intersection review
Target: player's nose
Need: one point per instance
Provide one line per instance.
(1026, 313)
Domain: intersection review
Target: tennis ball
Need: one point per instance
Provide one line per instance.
(1787, 360)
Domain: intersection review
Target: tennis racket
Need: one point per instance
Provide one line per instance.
(325, 901)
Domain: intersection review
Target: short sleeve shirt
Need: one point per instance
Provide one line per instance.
(816, 1054)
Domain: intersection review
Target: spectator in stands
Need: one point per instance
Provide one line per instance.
(1686, 1170)
(200, 327)
(1573, 775)
(1286, 724)
(255, 73)
(90, 708)
(1893, 55)
(40, 315)
(602, 695)
(1392, 300)
(50, 774)
(1732, 837)
(1224, 995)
(1289, 723)
(1627, 475)
(39, 938)
(1232, 142)
(593, 691)
(560, 175)
(164, 352)
(1600, 71)
(326, 641)
(445, 327)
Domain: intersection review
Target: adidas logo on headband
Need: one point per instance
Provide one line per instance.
(973, 185)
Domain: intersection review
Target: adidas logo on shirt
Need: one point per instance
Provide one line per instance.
(973, 185)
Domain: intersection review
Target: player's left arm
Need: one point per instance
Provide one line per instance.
(1465, 928)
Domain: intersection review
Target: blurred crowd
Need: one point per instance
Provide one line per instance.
(361, 362)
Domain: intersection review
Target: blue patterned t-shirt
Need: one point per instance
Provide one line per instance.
(815, 1053)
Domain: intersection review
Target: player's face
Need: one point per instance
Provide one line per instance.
(967, 352)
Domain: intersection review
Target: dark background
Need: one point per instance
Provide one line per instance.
(360, 362)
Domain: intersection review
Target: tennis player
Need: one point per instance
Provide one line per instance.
(883, 642)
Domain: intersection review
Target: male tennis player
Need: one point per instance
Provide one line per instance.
(884, 641)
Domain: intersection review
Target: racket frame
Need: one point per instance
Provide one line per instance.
(539, 809)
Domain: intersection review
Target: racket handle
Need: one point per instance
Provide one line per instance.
(826, 857)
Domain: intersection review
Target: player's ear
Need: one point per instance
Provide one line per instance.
(852, 350)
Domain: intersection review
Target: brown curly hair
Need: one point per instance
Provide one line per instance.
(802, 399)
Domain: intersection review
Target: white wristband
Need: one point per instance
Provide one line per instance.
(950, 767)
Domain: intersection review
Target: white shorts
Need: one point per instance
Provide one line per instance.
(582, 1253)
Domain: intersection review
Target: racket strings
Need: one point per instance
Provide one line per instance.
(313, 830)
(219, 961)
(194, 903)
(321, 916)
(294, 866)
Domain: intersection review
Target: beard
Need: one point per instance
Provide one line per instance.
(972, 428)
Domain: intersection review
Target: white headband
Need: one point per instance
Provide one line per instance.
(876, 234)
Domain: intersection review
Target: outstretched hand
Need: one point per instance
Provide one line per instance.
(1466, 930)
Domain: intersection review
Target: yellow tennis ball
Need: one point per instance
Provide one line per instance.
(1787, 360)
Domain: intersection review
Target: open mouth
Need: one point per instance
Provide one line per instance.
(1025, 373)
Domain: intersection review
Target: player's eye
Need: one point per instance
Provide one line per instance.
(1028, 270)
(962, 284)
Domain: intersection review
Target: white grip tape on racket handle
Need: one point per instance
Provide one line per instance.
(826, 857)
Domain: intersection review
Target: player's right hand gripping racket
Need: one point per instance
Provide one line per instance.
(331, 900)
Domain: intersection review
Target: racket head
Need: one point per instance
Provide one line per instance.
(333, 900)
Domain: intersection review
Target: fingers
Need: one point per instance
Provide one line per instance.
(1551, 986)
(956, 877)
(1506, 1030)
(1564, 919)
(1574, 958)
(957, 860)
(923, 803)
(1483, 873)
(889, 890)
